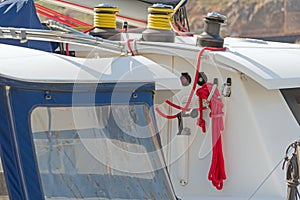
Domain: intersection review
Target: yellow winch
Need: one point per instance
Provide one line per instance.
(105, 22)
(105, 16)
(159, 24)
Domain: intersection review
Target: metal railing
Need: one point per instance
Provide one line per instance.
(67, 35)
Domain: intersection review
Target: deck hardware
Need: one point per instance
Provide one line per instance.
(211, 35)
(292, 170)
(183, 182)
(202, 78)
(182, 147)
(48, 96)
(214, 87)
(23, 37)
(159, 24)
(186, 131)
(105, 22)
(125, 26)
(193, 113)
(226, 88)
(13, 33)
(180, 123)
(134, 95)
(185, 79)
(63, 36)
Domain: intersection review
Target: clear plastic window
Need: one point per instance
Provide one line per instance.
(103, 152)
(3, 188)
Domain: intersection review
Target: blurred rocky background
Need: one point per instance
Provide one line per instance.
(277, 20)
(266, 19)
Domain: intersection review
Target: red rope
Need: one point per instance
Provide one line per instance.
(217, 172)
(88, 30)
(57, 15)
(202, 93)
(181, 26)
(180, 32)
(186, 107)
(88, 8)
(129, 46)
(54, 18)
(164, 115)
(67, 49)
(174, 105)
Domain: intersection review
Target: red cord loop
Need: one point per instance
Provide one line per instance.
(174, 105)
(164, 115)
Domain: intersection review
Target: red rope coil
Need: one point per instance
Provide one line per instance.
(217, 173)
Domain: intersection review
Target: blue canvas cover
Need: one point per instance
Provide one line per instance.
(22, 14)
(28, 168)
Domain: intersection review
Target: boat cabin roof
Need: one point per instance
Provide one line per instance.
(273, 65)
(24, 64)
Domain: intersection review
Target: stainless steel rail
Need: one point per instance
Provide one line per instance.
(71, 36)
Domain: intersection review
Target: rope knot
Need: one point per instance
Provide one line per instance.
(220, 115)
(201, 123)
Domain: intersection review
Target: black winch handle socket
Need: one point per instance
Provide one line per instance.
(185, 79)
(202, 79)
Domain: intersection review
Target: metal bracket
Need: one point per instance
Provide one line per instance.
(226, 88)
(214, 87)
(180, 123)
(23, 37)
(193, 113)
(13, 34)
